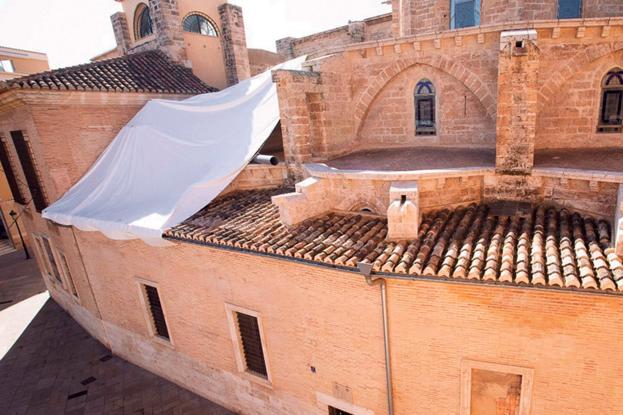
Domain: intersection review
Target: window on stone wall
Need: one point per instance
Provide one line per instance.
(425, 108)
(249, 343)
(27, 160)
(197, 23)
(569, 9)
(51, 261)
(5, 163)
(156, 312)
(142, 22)
(336, 411)
(611, 111)
(6, 66)
(464, 13)
(67, 272)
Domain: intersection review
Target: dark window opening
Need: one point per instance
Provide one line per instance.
(27, 161)
(569, 9)
(196, 23)
(143, 25)
(464, 13)
(50, 256)
(335, 411)
(425, 108)
(10, 176)
(70, 278)
(156, 311)
(251, 339)
(611, 114)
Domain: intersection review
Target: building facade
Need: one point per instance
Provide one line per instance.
(444, 236)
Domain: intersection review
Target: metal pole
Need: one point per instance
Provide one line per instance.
(19, 232)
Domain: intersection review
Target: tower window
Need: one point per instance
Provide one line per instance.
(611, 113)
(142, 22)
(464, 13)
(569, 9)
(197, 23)
(425, 108)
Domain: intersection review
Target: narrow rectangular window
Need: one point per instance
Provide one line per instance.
(251, 340)
(569, 9)
(30, 172)
(335, 411)
(156, 312)
(53, 267)
(6, 66)
(464, 13)
(5, 161)
(611, 107)
(68, 276)
(42, 256)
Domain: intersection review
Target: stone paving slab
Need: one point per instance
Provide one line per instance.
(56, 367)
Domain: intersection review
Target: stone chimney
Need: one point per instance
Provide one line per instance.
(122, 32)
(168, 29)
(517, 102)
(403, 214)
(234, 43)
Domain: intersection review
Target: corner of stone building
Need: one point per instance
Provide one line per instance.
(285, 48)
(234, 42)
(121, 30)
(168, 29)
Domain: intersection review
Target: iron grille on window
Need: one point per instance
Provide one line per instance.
(569, 9)
(611, 115)
(335, 411)
(28, 165)
(252, 344)
(143, 27)
(10, 176)
(54, 267)
(157, 314)
(70, 279)
(425, 108)
(196, 23)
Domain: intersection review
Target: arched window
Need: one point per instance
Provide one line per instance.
(425, 108)
(142, 22)
(569, 9)
(611, 114)
(197, 23)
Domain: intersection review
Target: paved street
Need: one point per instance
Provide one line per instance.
(50, 365)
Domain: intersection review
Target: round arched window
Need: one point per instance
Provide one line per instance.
(142, 22)
(197, 23)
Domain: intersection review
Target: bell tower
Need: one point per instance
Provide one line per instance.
(207, 36)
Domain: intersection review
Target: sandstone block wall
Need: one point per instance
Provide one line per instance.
(234, 43)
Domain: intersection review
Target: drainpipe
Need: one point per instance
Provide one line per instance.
(366, 271)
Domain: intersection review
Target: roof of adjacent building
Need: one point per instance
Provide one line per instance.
(149, 71)
(549, 247)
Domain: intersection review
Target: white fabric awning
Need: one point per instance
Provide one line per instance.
(172, 159)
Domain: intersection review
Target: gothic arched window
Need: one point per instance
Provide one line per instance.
(142, 22)
(197, 23)
(611, 112)
(425, 108)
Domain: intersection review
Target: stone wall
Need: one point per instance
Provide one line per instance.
(374, 28)
(326, 314)
(234, 43)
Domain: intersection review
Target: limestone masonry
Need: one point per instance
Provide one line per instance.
(443, 236)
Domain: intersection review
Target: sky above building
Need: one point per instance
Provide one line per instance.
(73, 31)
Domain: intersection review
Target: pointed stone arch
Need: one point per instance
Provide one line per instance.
(470, 80)
(553, 84)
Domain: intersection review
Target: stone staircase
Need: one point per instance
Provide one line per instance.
(5, 247)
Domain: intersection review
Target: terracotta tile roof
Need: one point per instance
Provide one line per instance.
(148, 71)
(550, 247)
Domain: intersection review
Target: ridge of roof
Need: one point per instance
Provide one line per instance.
(149, 71)
(549, 248)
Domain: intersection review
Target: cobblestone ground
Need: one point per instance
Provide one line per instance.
(55, 367)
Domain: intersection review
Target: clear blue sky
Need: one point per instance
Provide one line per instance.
(72, 31)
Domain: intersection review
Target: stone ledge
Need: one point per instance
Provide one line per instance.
(324, 171)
